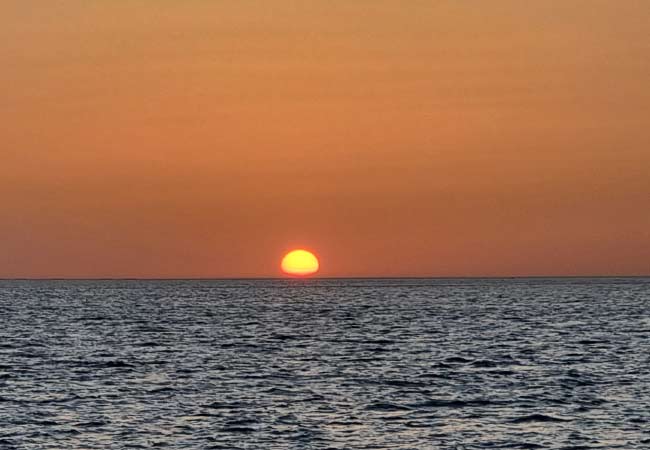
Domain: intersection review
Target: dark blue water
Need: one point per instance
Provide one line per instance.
(332, 364)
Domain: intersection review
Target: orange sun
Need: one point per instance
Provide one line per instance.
(299, 263)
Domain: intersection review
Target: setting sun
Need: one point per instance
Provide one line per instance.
(299, 263)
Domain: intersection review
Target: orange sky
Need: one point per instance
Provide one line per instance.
(204, 138)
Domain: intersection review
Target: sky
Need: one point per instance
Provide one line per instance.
(202, 138)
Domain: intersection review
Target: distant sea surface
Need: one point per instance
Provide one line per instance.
(326, 364)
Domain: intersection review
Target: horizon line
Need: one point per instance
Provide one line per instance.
(280, 278)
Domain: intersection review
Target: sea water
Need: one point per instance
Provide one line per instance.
(325, 364)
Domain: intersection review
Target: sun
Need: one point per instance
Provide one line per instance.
(299, 263)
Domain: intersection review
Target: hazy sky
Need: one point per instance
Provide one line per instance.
(197, 138)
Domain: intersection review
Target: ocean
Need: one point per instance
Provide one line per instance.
(325, 364)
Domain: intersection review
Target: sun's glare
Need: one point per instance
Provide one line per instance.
(300, 263)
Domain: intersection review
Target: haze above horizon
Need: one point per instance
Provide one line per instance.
(192, 139)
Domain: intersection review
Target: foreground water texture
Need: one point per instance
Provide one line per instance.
(325, 364)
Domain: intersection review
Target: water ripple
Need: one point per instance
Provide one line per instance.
(325, 364)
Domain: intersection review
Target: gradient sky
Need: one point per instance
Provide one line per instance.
(202, 138)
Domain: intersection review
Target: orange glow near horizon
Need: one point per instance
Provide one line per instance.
(202, 139)
(300, 263)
